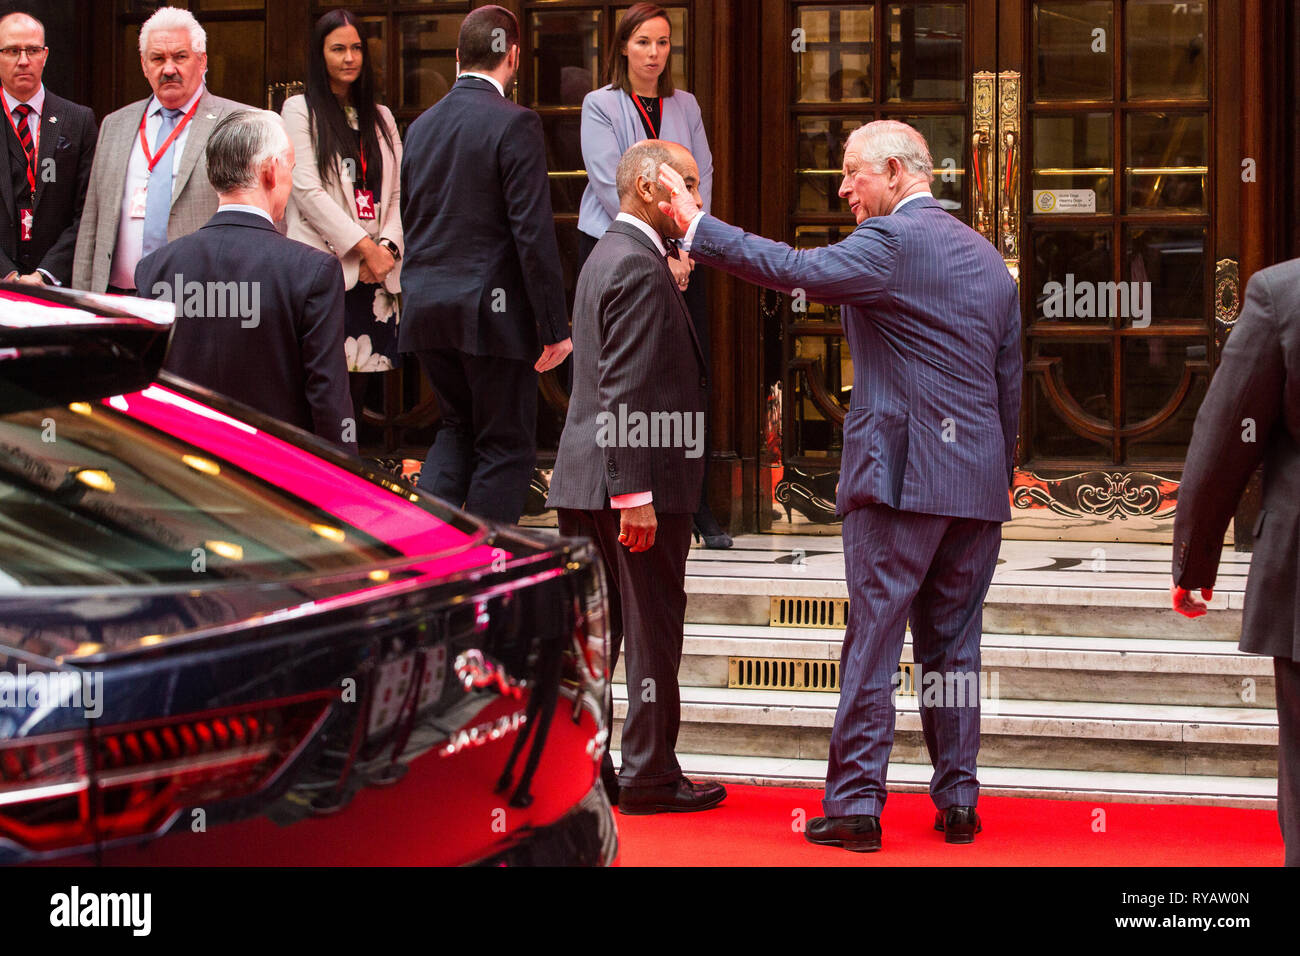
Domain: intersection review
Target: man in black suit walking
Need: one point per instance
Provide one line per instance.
(259, 317)
(483, 291)
(50, 145)
(1251, 415)
(630, 464)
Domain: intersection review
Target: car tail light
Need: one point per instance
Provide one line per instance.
(61, 791)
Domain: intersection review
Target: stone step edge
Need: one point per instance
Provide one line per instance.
(993, 654)
(1184, 789)
(1156, 731)
(1020, 594)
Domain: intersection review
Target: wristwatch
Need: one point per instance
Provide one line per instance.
(391, 247)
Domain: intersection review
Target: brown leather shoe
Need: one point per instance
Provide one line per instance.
(860, 833)
(680, 797)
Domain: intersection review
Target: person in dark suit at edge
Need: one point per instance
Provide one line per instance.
(1251, 416)
(933, 322)
(259, 316)
(483, 293)
(51, 145)
(637, 358)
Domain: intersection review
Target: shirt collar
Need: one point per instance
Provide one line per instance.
(244, 207)
(921, 195)
(644, 227)
(483, 76)
(155, 107)
(37, 102)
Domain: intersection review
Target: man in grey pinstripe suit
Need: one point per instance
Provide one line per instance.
(933, 322)
(630, 464)
(132, 207)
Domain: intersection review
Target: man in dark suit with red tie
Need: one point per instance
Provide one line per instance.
(629, 467)
(49, 148)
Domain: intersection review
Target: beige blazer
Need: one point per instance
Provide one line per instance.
(324, 215)
(194, 201)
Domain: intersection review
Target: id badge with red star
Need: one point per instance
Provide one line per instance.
(365, 204)
(27, 220)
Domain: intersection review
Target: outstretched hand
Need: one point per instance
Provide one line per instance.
(1187, 604)
(680, 206)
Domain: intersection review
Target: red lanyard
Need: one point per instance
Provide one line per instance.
(361, 148)
(31, 169)
(637, 100)
(152, 159)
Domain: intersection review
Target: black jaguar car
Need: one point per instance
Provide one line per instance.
(222, 641)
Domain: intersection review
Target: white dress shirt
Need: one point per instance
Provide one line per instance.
(37, 103)
(244, 207)
(130, 232)
(483, 76)
(634, 499)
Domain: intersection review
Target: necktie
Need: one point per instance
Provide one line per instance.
(158, 203)
(25, 136)
(24, 132)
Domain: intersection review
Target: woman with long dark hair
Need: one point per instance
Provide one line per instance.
(346, 189)
(641, 102)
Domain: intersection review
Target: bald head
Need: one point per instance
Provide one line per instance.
(21, 77)
(637, 179)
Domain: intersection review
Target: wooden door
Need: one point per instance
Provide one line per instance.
(1089, 141)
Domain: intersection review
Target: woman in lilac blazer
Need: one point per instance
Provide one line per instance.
(639, 103)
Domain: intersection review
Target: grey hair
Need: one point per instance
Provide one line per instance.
(174, 18)
(641, 160)
(240, 144)
(889, 139)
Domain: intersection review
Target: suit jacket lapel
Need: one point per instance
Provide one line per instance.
(51, 119)
(7, 187)
(196, 141)
(645, 241)
(119, 140)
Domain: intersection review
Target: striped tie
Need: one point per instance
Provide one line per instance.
(24, 133)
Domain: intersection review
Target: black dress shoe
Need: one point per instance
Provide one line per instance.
(958, 824)
(861, 834)
(680, 797)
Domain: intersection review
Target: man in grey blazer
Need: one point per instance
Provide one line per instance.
(1251, 415)
(143, 194)
(933, 322)
(631, 459)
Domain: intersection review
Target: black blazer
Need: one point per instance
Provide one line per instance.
(1251, 415)
(634, 351)
(481, 272)
(284, 357)
(68, 135)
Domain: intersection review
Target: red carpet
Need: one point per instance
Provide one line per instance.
(755, 827)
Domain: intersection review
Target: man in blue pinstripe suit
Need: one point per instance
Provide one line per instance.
(933, 322)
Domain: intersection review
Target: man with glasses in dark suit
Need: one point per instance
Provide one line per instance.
(50, 147)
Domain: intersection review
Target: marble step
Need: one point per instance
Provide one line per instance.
(1101, 786)
(1039, 587)
(1035, 734)
(1033, 667)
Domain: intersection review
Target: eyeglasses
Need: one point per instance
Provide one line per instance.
(14, 52)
